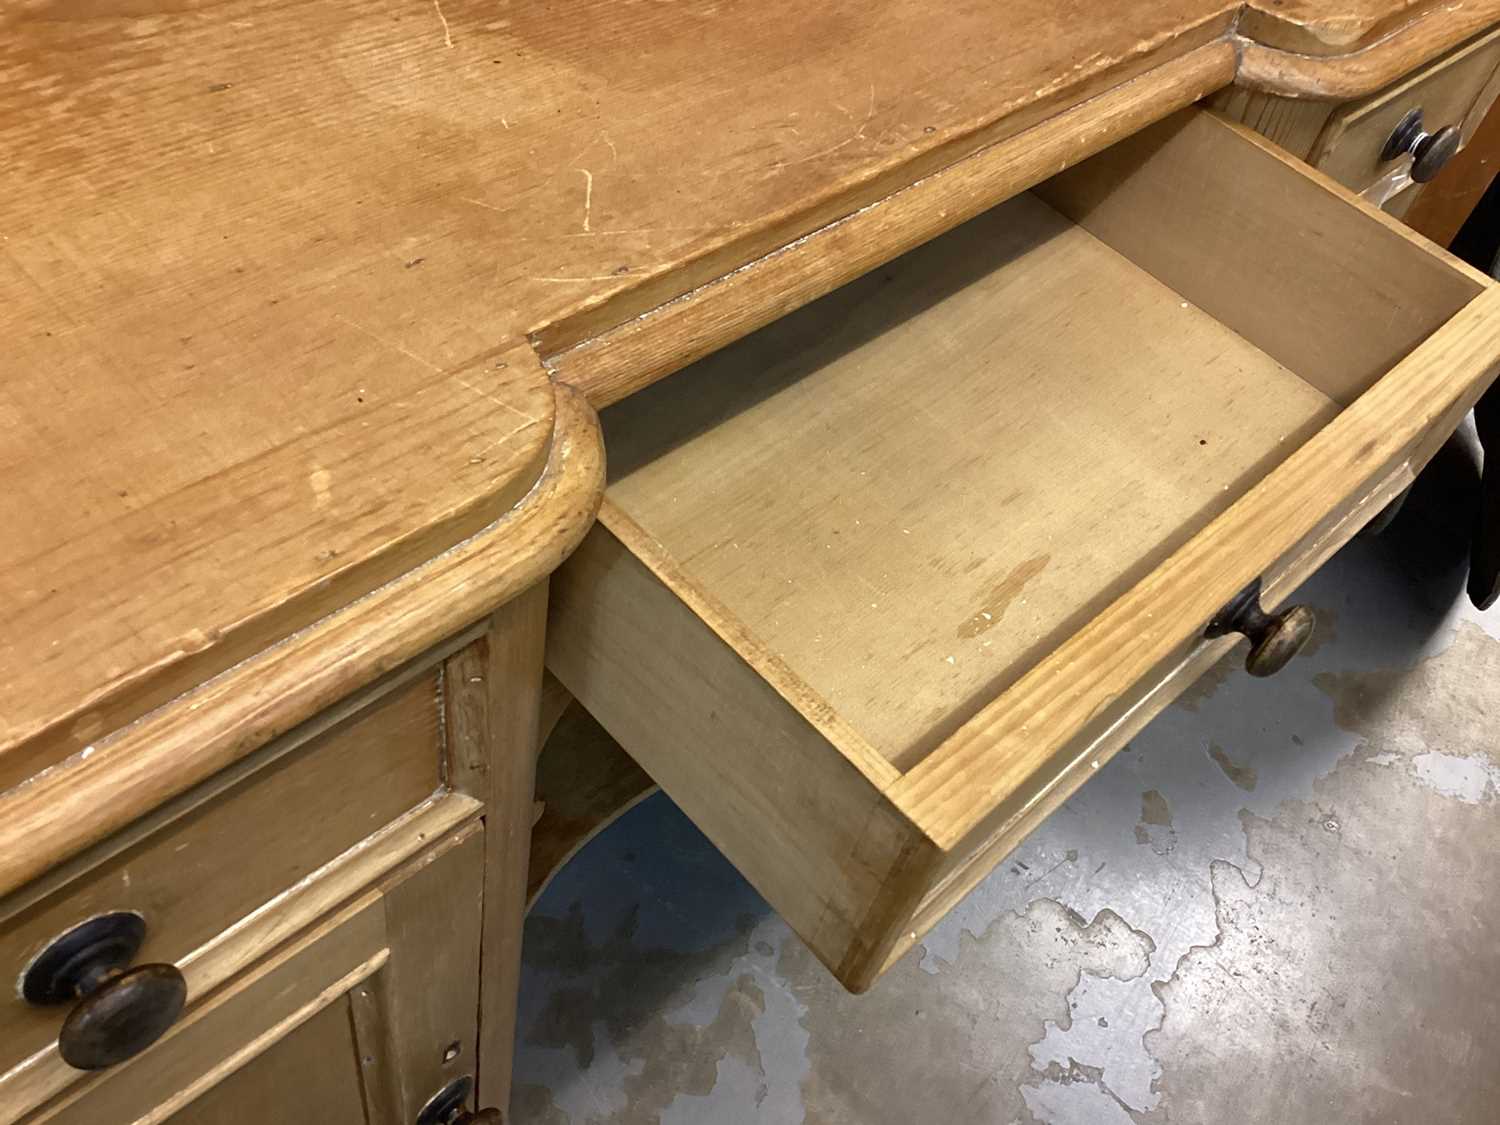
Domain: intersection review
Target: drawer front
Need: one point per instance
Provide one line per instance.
(1455, 90)
(252, 1015)
(205, 870)
(877, 588)
(358, 1020)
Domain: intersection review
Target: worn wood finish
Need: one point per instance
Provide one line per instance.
(1293, 252)
(334, 339)
(584, 783)
(614, 364)
(184, 804)
(405, 954)
(1332, 27)
(228, 954)
(887, 416)
(1426, 32)
(965, 868)
(653, 632)
(1448, 92)
(685, 688)
(167, 752)
(269, 831)
(230, 1026)
(169, 552)
(213, 258)
(1401, 420)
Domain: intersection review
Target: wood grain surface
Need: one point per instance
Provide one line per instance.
(874, 484)
(1329, 27)
(159, 530)
(86, 797)
(856, 466)
(260, 263)
(1409, 34)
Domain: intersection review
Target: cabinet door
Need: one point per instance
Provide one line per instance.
(358, 1022)
(311, 1075)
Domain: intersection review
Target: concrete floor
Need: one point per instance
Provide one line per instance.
(1280, 904)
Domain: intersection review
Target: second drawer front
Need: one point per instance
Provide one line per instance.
(208, 869)
(1456, 90)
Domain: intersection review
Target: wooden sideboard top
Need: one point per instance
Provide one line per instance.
(1327, 27)
(276, 277)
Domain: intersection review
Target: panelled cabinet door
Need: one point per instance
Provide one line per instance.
(358, 1022)
(311, 1075)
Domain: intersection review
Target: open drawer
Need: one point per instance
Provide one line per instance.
(874, 589)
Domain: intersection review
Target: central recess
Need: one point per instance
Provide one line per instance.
(912, 489)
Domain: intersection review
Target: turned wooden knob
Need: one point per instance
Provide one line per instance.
(446, 1107)
(1274, 637)
(117, 1011)
(1429, 151)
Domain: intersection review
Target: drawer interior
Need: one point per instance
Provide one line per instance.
(911, 489)
(878, 585)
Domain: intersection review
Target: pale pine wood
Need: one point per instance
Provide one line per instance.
(1330, 27)
(1401, 420)
(309, 362)
(614, 364)
(1425, 32)
(740, 746)
(214, 259)
(860, 853)
(1294, 124)
(964, 869)
(1300, 273)
(241, 849)
(141, 559)
(1447, 91)
(584, 783)
(914, 428)
(86, 798)
(228, 953)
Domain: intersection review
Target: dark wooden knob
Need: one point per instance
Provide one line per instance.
(1429, 151)
(446, 1107)
(1274, 637)
(117, 1011)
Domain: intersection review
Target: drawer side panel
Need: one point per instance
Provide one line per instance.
(808, 830)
